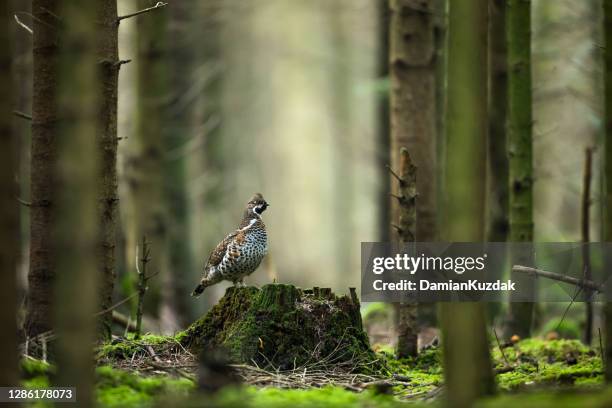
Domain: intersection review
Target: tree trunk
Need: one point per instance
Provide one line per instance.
(9, 211)
(342, 147)
(382, 121)
(176, 306)
(43, 158)
(413, 126)
(607, 49)
(108, 196)
(75, 230)
(145, 164)
(22, 95)
(407, 311)
(413, 102)
(518, 32)
(497, 206)
(467, 363)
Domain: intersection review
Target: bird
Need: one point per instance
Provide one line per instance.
(241, 252)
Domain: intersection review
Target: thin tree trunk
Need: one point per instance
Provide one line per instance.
(467, 363)
(413, 126)
(75, 230)
(384, 138)
(586, 238)
(9, 211)
(607, 50)
(342, 146)
(108, 196)
(43, 158)
(413, 101)
(22, 94)
(407, 311)
(178, 307)
(497, 205)
(145, 162)
(518, 32)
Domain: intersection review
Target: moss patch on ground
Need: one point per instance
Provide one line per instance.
(284, 327)
(540, 363)
(556, 373)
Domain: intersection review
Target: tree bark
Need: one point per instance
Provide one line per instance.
(382, 121)
(413, 102)
(9, 211)
(43, 158)
(520, 123)
(75, 230)
(145, 161)
(407, 311)
(497, 206)
(413, 105)
(607, 50)
(467, 363)
(108, 197)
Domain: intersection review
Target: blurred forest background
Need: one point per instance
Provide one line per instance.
(225, 98)
(140, 141)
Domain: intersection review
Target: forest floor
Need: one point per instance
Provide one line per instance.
(147, 372)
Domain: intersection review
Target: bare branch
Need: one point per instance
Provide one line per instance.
(394, 174)
(157, 5)
(23, 202)
(22, 115)
(100, 313)
(28, 29)
(558, 277)
(398, 228)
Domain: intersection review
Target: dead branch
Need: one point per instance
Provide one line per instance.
(142, 283)
(115, 305)
(28, 29)
(23, 202)
(394, 174)
(501, 350)
(558, 277)
(157, 5)
(22, 115)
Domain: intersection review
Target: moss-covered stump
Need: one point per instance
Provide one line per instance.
(284, 327)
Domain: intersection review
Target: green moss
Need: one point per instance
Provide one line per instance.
(31, 367)
(556, 362)
(124, 348)
(118, 388)
(281, 326)
(423, 373)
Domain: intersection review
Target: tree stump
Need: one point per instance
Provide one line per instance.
(284, 327)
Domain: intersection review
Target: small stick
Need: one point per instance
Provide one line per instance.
(501, 350)
(394, 174)
(28, 29)
(22, 115)
(157, 5)
(116, 305)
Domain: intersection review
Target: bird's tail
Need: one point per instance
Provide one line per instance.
(198, 290)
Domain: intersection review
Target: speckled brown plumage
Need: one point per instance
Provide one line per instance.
(241, 252)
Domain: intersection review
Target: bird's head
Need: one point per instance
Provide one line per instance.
(257, 204)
